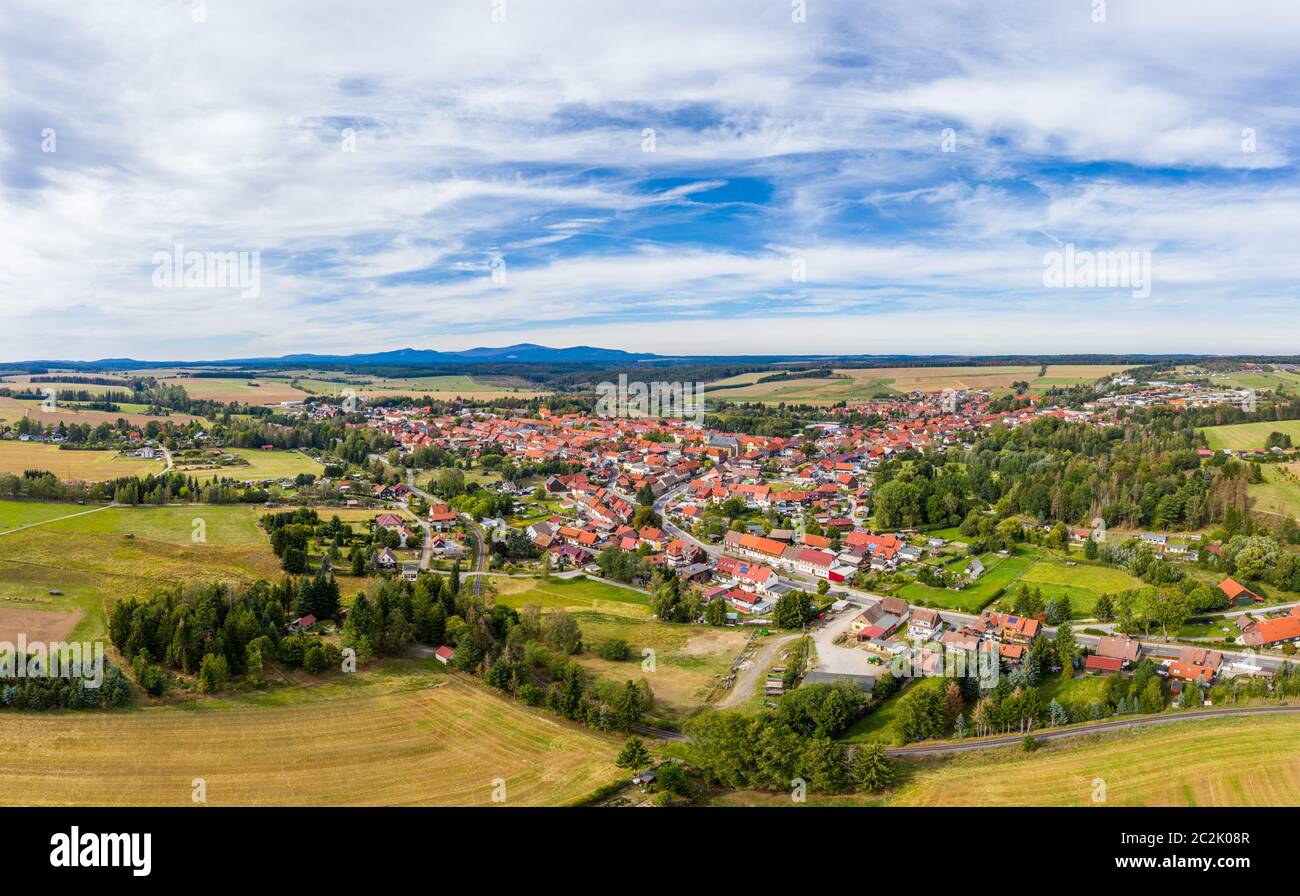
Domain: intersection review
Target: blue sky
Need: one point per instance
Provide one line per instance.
(796, 194)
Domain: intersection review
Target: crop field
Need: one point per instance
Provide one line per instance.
(25, 380)
(441, 387)
(245, 390)
(1272, 380)
(1279, 493)
(683, 663)
(856, 384)
(90, 466)
(261, 465)
(13, 410)
(1247, 436)
(1233, 762)
(1230, 762)
(418, 737)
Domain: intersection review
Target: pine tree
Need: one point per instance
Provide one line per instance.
(959, 727)
(871, 771)
(1056, 714)
(633, 755)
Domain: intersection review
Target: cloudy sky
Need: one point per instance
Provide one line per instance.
(706, 176)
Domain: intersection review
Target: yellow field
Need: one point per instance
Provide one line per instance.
(422, 738)
(685, 662)
(446, 387)
(1233, 762)
(12, 410)
(237, 388)
(856, 384)
(89, 466)
(1252, 761)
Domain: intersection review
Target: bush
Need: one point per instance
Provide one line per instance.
(615, 649)
(214, 671)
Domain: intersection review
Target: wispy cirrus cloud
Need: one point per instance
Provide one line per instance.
(649, 178)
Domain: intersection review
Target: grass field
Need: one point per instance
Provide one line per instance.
(245, 390)
(1247, 436)
(407, 736)
(999, 574)
(90, 466)
(1272, 380)
(1229, 762)
(1083, 584)
(684, 661)
(13, 410)
(91, 557)
(1279, 493)
(438, 387)
(879, 725)
(856, 384)
(261, 465)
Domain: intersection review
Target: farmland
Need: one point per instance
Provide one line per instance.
(856, 384)
(1229, 762)
(436, 387)
(98, 556)
(685, 663)
(261, 465)
(1279, 493)
(90, 466)
(13, 410)
(244, 390)
(1248, 436)
(404, 735)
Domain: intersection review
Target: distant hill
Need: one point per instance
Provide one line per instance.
(523, 353)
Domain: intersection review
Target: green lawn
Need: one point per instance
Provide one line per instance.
(1244, 436)
(573, 594)
(879, 725)
(1081, 689)
(24, 513)
(1279, 493)
(1082, 584)
(999, 574)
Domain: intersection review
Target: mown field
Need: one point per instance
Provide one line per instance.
(856, 384)
(1248, 436)
(261, 465)
(90, 466)
(439, 387)
(1230, 762)
(1261, 380)
(685, 661)
(1082, 584)
(407, 735)
(101, 554)
(243, 389)
(12, 410)
(1279, 493)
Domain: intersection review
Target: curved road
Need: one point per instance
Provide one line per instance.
(1042, 734)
